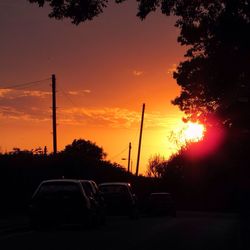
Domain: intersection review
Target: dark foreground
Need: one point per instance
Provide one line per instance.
(189, 230)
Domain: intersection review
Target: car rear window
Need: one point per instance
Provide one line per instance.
(160, 197)
(54, 189)
(114, 189)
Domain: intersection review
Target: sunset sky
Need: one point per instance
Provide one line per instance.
(105, 69)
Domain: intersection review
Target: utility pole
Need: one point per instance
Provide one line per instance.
(129, 153)
(54, 113)
(139, 146)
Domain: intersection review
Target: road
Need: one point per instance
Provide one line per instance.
(203, 231)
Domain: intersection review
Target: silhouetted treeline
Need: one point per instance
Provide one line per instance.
(21, 171)
(217, 181)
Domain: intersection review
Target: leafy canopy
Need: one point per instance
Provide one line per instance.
(76, 10)
(85, 149)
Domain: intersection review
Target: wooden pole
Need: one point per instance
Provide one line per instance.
(54, 113)
(129, 153)
(139, 146)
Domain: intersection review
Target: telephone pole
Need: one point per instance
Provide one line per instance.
(129, 153)
(139, 146)
(54, 113)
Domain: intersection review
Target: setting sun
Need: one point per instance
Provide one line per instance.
(185, 133)
(193, 132)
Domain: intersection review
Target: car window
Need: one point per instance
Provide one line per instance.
(54, 187)
(160, 197)
(88, 188)
(114, 189)
(57, 189)
(95, 187)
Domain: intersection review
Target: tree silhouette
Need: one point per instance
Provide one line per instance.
(156, 166)
(76, 10)
(215, 77)
(84, 149)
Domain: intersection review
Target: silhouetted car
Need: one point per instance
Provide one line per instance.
(96, 199)
(161, 203)
(59, 202)
(119, 199)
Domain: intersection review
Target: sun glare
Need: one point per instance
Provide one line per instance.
(193, 132)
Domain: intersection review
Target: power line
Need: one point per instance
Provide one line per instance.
(77, 106)
(74, 105)
(24, 85)
(115, 156)
(127, 147)
(67, 96)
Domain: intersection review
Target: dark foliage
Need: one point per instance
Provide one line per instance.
(22, 170)
(76, 10)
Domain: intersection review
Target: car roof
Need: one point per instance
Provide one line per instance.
(89, 181)
(60, 180)
(161, 193)
(115, 184)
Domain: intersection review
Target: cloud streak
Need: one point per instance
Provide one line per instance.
(114, 118)
(137, 73)
(34, 114)
(172, 69)
(4, 92)
(14, 94)
(91, 117)
(79, 92)
(99, 117)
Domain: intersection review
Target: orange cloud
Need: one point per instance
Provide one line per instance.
(113, 118)
(13, 93)
(4, 92)
(79, 92)
(137, 73)
(172, 69)
(97, 118)
(15, 114)
(36, 93)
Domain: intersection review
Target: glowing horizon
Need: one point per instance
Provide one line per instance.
(105, 71)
